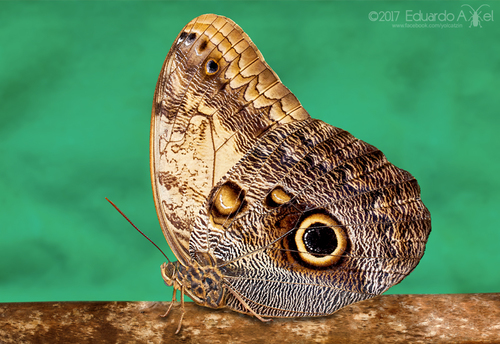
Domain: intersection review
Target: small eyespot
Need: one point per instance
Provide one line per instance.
(211, 67)
(202, 46)
(277, 197)
(182, 36)
(190, 38)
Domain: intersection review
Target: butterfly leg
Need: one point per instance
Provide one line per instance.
(174, 299)
(183, 310)
(239, 298)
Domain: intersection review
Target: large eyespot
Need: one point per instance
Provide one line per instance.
(320, 240)
(211, 67)
(228, 199)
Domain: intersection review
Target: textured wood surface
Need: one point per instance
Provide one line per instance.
(459, 318)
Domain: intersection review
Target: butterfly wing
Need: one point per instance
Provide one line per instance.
(214, 98)
(331, 185)
(278, 176)
(301, 217)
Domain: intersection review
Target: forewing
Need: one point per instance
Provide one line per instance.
(214, 98)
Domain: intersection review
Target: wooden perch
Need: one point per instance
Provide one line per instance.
(460, 318)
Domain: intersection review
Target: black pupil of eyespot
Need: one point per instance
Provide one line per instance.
(320, 240)
(183, 35)
(212, 66)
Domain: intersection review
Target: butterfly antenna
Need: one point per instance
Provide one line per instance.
(144, 235)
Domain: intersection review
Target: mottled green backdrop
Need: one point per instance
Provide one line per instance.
(76, 87)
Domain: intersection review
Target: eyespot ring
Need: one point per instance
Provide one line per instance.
(328, 236)
(211, 67)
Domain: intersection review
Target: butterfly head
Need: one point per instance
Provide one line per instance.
(168, 272)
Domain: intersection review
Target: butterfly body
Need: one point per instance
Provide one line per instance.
(203, 283)
(269, 211)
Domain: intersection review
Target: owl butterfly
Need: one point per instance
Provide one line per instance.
(269, 211)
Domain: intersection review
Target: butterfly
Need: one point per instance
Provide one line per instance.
(270, 212)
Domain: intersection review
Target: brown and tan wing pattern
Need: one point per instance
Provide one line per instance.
(324, 178)
(214, 98)
(301, 217)
(292, 176)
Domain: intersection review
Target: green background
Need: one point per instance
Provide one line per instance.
(76, 88)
